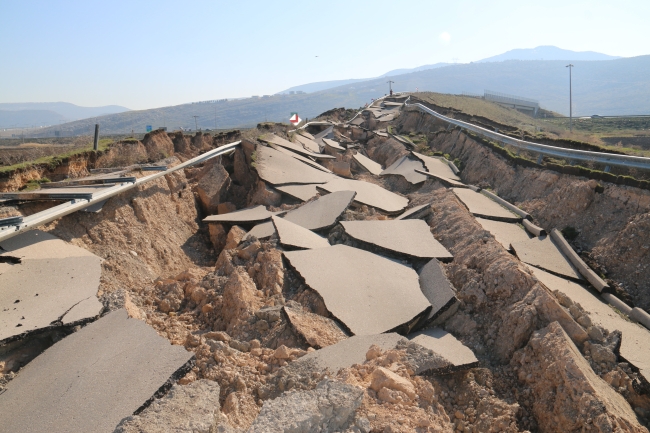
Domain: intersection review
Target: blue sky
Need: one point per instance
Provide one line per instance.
(145, 54)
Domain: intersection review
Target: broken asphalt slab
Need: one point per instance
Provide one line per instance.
(416, 212)
(307, 143)
(368, 293)
(444, 180)
(301, 192)
(301, 158)
(436, 166)
(333, 144)
(367, 163)
(369, 194)
(406, 167)
(294, 236)
(505, 233)
(243, 216)
(447, 346)
(185, 409)
(438, 290)
(480, 205)
(277, 168)
(53, 284)
(635, 341)
(353, 350)
(411, 237)
(543, 253)
(323, 212)
(261, 231)
(92, 379)
(272, 138)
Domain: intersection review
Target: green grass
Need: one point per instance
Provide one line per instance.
(54, 161)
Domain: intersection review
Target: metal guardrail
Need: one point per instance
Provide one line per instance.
(608, 159)
(33, 221)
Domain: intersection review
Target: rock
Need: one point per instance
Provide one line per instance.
(265, 195)
(213, 185)
(190, 408)
(282, 352)
(226, 207)
(600, 353)
(318, 331)
(235, 236)
(373, 352)
(596, 333)
(584, 321)
(328, 408)
(239, 297)
(249, 251)
(567, 394)
(384, 378)
(217, 236)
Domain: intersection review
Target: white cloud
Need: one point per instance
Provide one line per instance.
(445, 38)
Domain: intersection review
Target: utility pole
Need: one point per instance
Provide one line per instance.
(390, 87)
(195, 122)
(570, 66)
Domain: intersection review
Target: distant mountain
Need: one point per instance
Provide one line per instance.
(419, 68)
(324, 85)
(40, 113)
(29, 118)
(620, 86)
(547, 52)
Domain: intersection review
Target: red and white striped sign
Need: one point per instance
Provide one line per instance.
(295, 119)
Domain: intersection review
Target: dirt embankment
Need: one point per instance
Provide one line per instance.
(154, 146)
(612, 221)
(226, 301)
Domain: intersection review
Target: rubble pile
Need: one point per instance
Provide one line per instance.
(330, 278)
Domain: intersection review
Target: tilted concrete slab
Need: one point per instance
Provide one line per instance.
(261, 231)
(437, 289)
(54, 284)
(323, 212)
(406, 167)
(480, 205)
(272, 138)
(447, 346)
(277, 168)
(324, 133)
(367, 163)
(301, 192)
(369, 194)
(387, 117)
(307, 143)
(333, 144)
(358, 121)
(416, 212)
(249, 215)
(368, 293)
(505, 233)
(92, 379)
(410, 237)
(543, 253)
(299, 157)
(295, 236)
(436, 166)
(635, 341)
(444, 180)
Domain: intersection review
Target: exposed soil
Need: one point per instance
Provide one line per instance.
(224, 299)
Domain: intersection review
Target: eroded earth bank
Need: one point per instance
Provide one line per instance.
(513, 348)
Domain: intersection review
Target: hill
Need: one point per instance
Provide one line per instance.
(611, 87)
(40, 113)
(548, 52)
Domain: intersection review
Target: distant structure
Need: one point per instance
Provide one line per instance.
(528, 106)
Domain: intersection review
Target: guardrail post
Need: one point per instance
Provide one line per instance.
(607, 168)
(540, 157)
